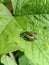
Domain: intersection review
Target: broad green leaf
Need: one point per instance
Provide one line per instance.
(38, 50)
(24, 7)
(9, 31)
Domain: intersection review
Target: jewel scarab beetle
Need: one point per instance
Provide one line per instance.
(29, 36)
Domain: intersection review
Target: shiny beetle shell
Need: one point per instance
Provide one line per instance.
(29, 36)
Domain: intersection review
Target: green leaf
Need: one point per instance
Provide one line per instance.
(6, 60)
(9, 31)
(38, 50)
(27, 61)
(4, 11)
(27, 7)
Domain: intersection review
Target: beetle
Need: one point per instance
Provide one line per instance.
(29, 36)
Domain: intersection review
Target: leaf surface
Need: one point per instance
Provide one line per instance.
(27, 7)
(6, 60)
(9, 31)
(36, 51)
